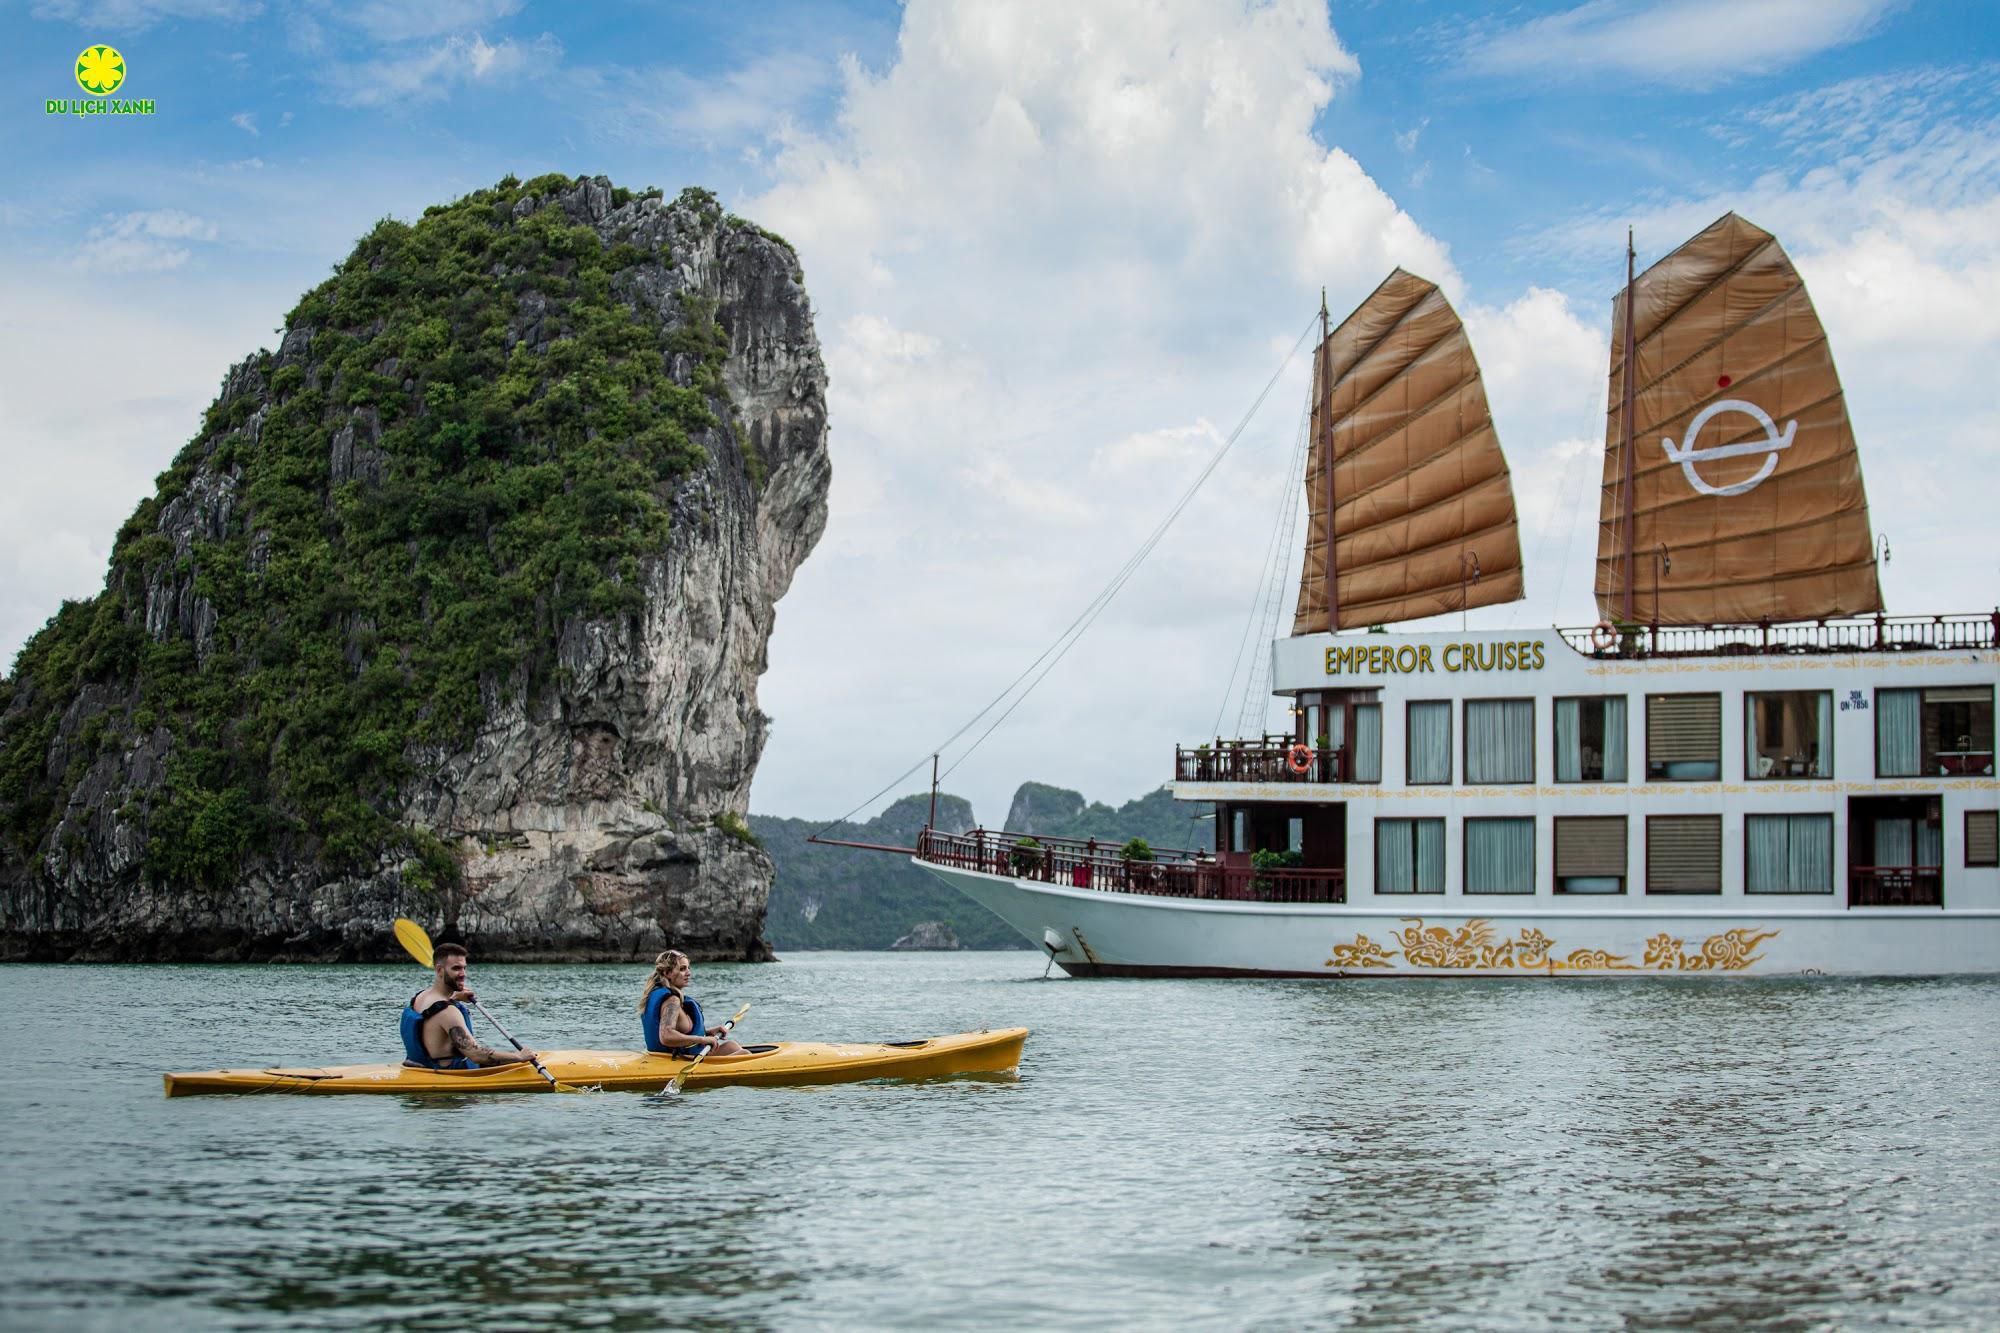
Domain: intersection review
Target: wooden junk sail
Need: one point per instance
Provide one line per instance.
(1418, 500)
(1744, 503)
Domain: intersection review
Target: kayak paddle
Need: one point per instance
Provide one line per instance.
(416, 941)
(680, 1078)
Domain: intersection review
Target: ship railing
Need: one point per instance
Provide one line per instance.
(1862, 634)
(1268, 759)
(1895, 886)
(1104, 868)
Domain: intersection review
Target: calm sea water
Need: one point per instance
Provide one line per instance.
(1217, 1154)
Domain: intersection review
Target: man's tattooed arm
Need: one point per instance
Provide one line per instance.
(467, 1048)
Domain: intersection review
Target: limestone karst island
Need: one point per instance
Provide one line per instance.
(453, 608)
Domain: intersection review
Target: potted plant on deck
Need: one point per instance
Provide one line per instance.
(1137, 856)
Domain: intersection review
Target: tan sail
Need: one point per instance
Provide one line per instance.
(1746, 500)
(1420, 495)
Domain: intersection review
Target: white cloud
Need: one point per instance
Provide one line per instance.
(396, 21)
(1544, 366)
(436, 71)
(1890, 209)
(245, 121)
(142, 242)
(1056, 245)
(1689, 43)
(86, 435)
(137, 15)
(751, 99)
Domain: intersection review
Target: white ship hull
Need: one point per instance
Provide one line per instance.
(1092, 933)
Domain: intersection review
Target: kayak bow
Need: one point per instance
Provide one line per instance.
(782, 1064)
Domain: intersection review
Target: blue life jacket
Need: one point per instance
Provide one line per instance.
(654, 1003)
(413, 1038)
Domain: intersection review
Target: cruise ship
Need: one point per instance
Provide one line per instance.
(1746, 767)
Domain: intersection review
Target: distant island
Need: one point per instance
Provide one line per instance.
(839, 898)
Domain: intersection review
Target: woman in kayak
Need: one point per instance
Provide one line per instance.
(673, 1018)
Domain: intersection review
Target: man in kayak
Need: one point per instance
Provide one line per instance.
(437, 1026)
(673, 1022)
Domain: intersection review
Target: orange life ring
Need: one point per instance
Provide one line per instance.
(1299, 758)
(1604, 636)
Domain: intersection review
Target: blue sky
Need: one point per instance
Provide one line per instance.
(1054, 253)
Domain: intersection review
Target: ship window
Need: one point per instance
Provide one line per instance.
(1982, 837)
(1429, 757)
(1409, 856)
(1684, 854)
(1590, 739)
(1590, 854)
(1367, 743)
(1788, 853)
(1683, 737)
(1500, 740)
(1500, 856)
(1942, 732)
(1788, 735)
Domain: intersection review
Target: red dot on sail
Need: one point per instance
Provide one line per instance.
(1722, 382)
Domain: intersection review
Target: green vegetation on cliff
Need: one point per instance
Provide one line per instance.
(841, 898)
(1165, 824)
(514, 433)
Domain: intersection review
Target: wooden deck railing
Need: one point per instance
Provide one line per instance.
(1100, 866)
(1867, 634)
(1267, 760)
(1895, 886)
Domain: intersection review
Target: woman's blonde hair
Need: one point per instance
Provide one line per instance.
(658, 977)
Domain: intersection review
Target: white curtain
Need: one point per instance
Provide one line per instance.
(1500, 740)
(1614, 739)
(1788, 853)
(1368, 743)
(1930, 845)
(1569, 745)
(1823, 750)
(1430, 855)
(1767, 854)
(1430, 742)
(1409, 856)
(1899, 735)
(1893, 845)
(1499, 856)
(1395, 857)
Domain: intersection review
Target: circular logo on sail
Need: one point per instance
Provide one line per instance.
(99, 70)
(1687, 454)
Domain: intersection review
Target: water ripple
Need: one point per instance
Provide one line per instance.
(1264, 1155)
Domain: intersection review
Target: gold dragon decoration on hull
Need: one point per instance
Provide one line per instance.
(1474, 947)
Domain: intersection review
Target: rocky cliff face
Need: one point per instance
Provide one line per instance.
(592, 807)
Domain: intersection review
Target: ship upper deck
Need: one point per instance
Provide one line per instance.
(1358, 697)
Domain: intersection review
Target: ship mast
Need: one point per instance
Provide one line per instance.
(1326, 461)
(1625, 423)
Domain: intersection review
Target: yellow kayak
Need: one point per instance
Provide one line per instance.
(786, 1062)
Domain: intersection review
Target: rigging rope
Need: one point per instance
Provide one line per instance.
(1076, 629)
(1257, 686)
(1272, 559)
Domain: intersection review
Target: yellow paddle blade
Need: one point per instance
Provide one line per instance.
(415, 941)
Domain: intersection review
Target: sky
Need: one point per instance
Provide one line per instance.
(1056, 254)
